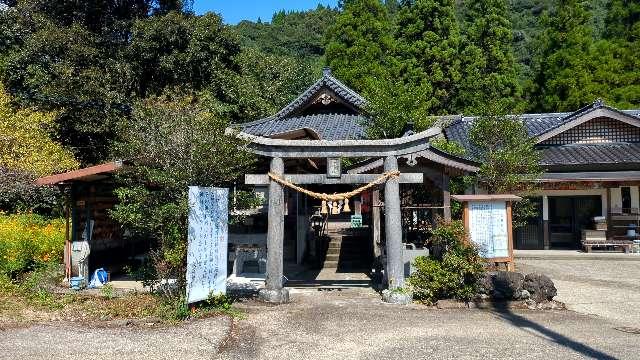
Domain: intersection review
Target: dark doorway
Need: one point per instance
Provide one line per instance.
(531, 235)
(625, 193)
(568, 216)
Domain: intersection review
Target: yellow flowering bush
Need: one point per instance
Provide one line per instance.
(28, 241)
(25, 142)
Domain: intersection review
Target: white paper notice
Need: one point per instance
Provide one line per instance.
(488, 228)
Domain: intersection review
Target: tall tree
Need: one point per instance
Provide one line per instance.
(428, 48)
(487, 58)
(615, 56)
(509, 161)
(563, 75)
(359, 44)
(88, 61)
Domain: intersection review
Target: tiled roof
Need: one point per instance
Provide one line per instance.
(592, 154)
(536, 124)
(328, 126)
(327, 80)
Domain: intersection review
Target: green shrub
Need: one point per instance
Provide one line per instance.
(28, 241)
(454, 273)
(219, 301)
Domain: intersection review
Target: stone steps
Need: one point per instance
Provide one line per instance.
(346, 250)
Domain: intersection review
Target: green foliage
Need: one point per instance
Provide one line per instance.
(359, 44)
(26, 144)
(509, 160)
(448, 146)
(296, 33)
(428, 49)
(563, 80)
(174, 144)
(505, 151)
(107, 291)
(423, 70)
(29, 242)
(19, 193)
(180, 50)
(267, 82)
(89, 62)
(219, 301)
(488, 64)
(454, 273)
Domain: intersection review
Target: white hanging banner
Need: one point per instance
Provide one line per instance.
(208, 239)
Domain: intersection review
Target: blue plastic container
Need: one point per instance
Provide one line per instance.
(76, 282)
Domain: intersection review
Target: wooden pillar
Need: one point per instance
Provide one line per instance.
(67, 236)
(393, 227)
(446, 196)
(545, 222)
(274, 291)
(609, 231)
(375, 220)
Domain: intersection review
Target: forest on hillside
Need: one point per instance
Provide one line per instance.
(92, 65)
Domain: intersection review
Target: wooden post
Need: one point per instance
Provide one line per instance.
(446, 196)
(375, 219)
(393, 226)
(510, 263)
(545, 223)
(67, 240)
(274, 291)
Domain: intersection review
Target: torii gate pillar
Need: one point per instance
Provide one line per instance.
(393, 226)
(274, 290)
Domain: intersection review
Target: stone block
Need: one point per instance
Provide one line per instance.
(276, 296)
(397, 297)
(540, 287)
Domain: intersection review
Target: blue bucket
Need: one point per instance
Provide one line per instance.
(76, 282)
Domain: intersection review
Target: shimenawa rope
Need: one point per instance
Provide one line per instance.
(335, 197)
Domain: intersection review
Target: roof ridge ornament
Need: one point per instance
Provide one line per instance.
(598, 103)
(326, 71)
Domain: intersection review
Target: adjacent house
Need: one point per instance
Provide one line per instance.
(592, 162)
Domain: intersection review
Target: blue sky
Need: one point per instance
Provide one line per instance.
(233, 11)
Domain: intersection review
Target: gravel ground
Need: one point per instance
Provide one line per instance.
(352, 324)
(356, 325)
(608, 288)
(194, 340)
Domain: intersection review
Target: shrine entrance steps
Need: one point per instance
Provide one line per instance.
(348, 250)
(347, 263)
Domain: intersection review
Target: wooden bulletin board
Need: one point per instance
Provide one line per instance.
(488, 221)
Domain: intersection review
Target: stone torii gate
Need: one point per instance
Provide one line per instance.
(388, 150)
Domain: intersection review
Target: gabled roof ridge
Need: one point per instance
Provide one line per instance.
(596, 105)
(326, 80)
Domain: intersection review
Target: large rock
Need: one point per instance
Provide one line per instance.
(502, 285)
(540, 287)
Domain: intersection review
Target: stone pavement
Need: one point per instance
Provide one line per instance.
(607, 286)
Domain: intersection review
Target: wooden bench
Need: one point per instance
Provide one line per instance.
(625, 244)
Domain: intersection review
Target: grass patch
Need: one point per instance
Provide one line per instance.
(37, 296)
